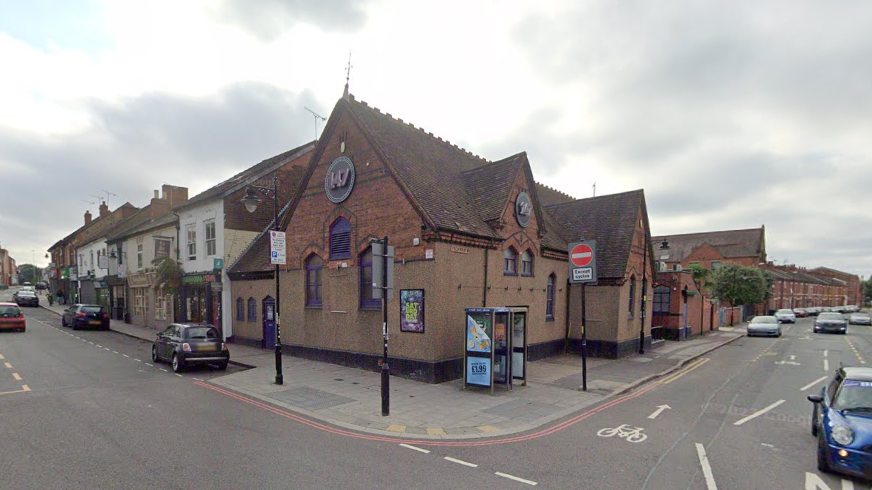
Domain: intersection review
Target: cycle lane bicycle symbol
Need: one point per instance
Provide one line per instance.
(624, 431)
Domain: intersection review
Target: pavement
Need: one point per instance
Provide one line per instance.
(351, 398)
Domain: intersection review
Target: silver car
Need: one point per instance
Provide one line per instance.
(860, 319)
(764, 325)
(785, 316)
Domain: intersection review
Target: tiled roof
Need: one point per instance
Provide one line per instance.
(610, 220)
(490, 185)
(256, 257)
(430, 168)
(247, 175)
(550, 197)
(731, 244)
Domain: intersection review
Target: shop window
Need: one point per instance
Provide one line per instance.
(661, 299)
(511, 262)
(252, 310)
(366, 300)
(549, 297)
(314, 265)
(138, 301)
(161, 305)
(240, 310)
(210, 238)
(340, 239)
(526, 263)
(632, 303)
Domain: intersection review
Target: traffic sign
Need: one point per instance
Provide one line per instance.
(582, 262)
(277, 252)
(581, 255)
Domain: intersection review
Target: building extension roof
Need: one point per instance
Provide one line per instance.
(610, 220)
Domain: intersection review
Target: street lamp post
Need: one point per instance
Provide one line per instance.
(251, 201)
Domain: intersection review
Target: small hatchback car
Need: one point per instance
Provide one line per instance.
(11, 317)
(842, 421)
(183, 344)
(81, 316)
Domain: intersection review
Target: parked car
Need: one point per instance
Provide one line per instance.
(813, 310)
(28, 298)
(184, 344)
(11, 317)
(800, 312)
(81, 316)
(851, 309)
(41, 286)
(842, 421)
(785, 316)
(830, 321)
(764, 325)
(860, 319)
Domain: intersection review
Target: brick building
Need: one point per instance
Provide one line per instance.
(467, 232)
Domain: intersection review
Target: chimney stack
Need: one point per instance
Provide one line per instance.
(104, 209)
(87, 218)
(175, 195)
(159, 207)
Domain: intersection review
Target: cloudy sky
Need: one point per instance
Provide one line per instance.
(729, 114)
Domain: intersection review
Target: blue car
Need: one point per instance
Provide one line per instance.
(842, 422)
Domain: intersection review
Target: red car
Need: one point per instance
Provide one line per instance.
(11, 317)
(800, 312)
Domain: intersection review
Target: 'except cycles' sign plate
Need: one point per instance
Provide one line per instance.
(582, 262)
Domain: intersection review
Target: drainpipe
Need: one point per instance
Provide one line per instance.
(177, 314)
(484, 289)
(566, 338)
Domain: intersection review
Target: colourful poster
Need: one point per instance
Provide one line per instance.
(477, 338)
(478, 371)
(412, 310)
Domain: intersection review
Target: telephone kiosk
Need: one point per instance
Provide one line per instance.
(496, 347)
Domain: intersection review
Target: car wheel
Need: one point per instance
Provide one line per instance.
(222, 366)
(75, 325)
(177, 364)
(822, 463)
(154, 356)
(63, 322)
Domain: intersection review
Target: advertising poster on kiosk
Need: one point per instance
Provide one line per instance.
(479, 330)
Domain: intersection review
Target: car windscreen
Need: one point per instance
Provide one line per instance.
(764, 319)
(22, 294)
(202, 333)
(91, 309)
(854, 394)
(785, 311)
(831, 316)
(9, 311)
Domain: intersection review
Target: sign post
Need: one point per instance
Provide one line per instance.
(582, 270)
(383, 288)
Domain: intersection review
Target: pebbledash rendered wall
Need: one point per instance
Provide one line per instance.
(453, 280)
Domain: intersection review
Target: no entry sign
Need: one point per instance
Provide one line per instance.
(582, 262)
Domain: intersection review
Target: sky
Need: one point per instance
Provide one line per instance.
(730, 115)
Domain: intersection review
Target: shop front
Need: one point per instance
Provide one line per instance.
(117, 297)
(200, 297)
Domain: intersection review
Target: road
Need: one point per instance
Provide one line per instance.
(98, 414)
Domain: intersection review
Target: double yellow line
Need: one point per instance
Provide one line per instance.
(690, 367)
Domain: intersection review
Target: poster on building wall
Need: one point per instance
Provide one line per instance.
(412, 310)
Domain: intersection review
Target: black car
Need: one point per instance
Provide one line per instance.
(26, 298)
(183, 344)
(830, 322)
(81, 316)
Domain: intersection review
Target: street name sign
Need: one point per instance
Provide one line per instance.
(582, 262)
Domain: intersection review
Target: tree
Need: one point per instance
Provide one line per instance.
(867, 290)
(167, 274)
(28, 273)
(739, 285)
(701, 277)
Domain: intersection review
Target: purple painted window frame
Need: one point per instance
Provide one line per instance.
(366, 300)
(341, 228)
(511, 268)
(313, 271)
(549, 297)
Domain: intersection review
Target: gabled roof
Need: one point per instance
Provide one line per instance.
(429, 169)
(256, 257)
(610, 220)
(730, 243)
(491, 185)
(248, 175)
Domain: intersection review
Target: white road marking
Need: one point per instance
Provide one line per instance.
(814, 482)
(125, 355)
(106, 348)
(147, 364)
(195, 379)
(164, 370)
(792, 357)
(408, 446)
(137, 360)
(510, 477)
(706, 467)
(826, 351)
(464, 463)
(115, 352)
(813, 383)
(179, 375)
(98, 345)
(91, 343)
(826, 365)
(759, 412)
(660, 408)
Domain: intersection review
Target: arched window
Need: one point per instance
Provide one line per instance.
(511, 261)
(340, 239)
(526, 263)
(252, 310)
(240, 310)
(366, 300)
(549, 297)
(313, 280)
(631, 306)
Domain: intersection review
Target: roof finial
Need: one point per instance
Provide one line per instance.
(347, 76)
